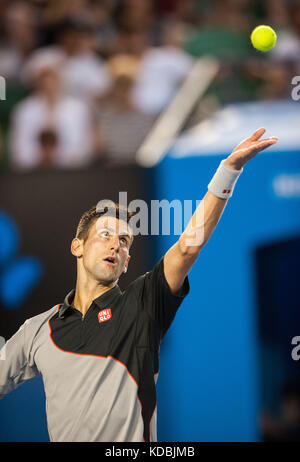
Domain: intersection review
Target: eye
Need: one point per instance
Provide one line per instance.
(123, 240)
(104, 233)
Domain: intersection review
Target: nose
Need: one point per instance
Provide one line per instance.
(115, 243)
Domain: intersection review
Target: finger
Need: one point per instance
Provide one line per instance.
(257, 134)
(263, 144)
(271, 138)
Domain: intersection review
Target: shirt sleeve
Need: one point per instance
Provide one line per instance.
(16, 366)
(158, 299)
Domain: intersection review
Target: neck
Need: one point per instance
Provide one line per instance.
(85, 293)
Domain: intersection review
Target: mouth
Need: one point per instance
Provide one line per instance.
(111, 261)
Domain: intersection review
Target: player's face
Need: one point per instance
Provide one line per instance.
(106, 251)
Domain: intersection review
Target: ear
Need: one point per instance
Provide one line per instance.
(126, 264)
(76, 247)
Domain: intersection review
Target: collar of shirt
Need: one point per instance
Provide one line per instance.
(103, 299)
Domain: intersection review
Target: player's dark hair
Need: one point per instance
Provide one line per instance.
(90, 216)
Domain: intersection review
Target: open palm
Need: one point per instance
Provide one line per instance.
(248, 149)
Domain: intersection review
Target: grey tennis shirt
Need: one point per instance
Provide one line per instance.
(99, 371)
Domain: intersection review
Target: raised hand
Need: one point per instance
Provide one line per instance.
(248, 149)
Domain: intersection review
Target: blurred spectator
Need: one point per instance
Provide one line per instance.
(137, 15)
(288, 42)
(19, 38)
(48, 109)
(48, 144)
(224, 32)
(287, 426)
(83, 72)
(121, 127)
(188, 12)
(274, 78)
(277, 13)
(234, 15)
(130, 42)
(165, 36)
(162, 70)
(57, 11)
(140, 17)
(106, 30)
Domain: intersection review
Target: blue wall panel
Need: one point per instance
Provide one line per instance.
(208, 387)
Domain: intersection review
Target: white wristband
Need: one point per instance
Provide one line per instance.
(223, 181)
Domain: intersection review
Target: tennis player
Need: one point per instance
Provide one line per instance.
(98, 350)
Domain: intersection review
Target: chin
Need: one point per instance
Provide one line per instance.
(106, 280)
(105, 277)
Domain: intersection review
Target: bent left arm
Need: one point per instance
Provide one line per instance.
(180, 258)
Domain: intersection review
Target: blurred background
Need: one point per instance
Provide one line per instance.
(147, 97)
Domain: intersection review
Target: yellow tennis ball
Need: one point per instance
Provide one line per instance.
(263, 38)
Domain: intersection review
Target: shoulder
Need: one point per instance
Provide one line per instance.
(32, 325)
(135, 287)
(73, 102)
(139, 283)
(27, 105)
(74, 106)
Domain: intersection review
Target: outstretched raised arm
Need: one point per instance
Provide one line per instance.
(180, 258)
